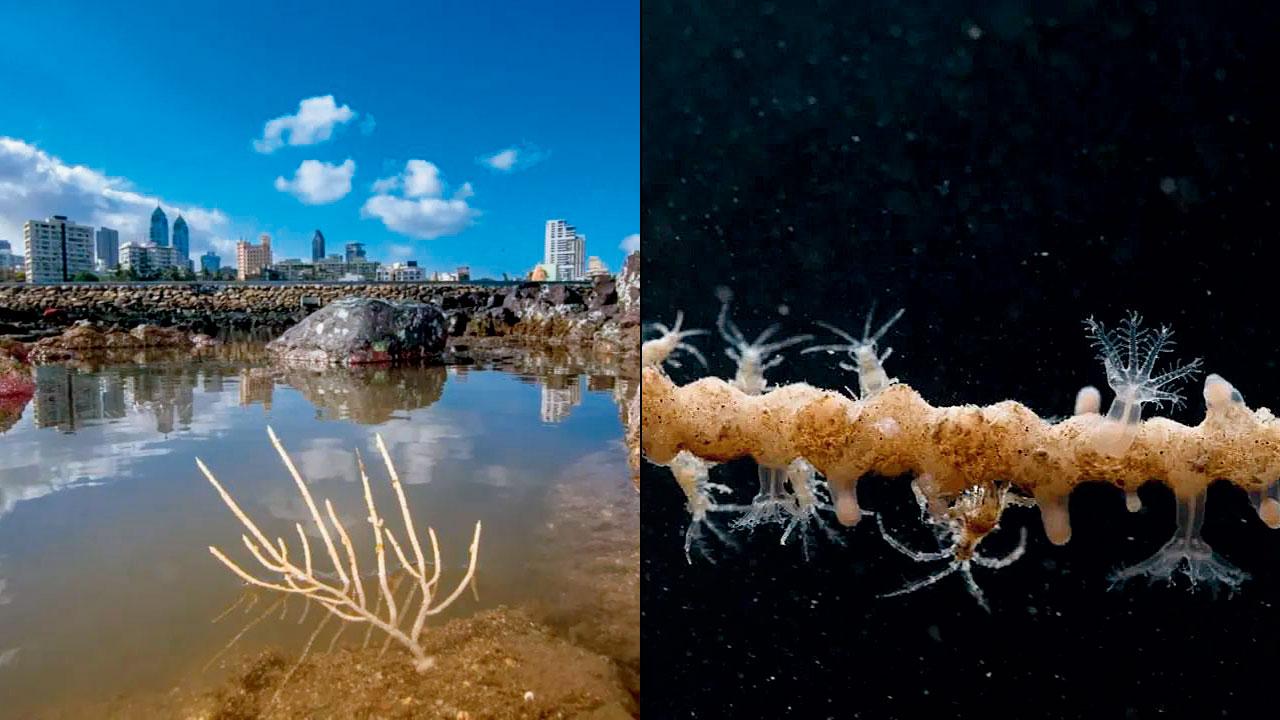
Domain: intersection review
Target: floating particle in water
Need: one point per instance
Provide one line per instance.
(1168, 186)
(784, 310)
(974, 32)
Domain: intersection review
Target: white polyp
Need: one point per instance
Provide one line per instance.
(773, 504)
(1132, 502)
(1186, 552)
(1055, 516)
(1088, 401)
(847, 510)
(1219, 394)
(872, 377)
(1269, 512)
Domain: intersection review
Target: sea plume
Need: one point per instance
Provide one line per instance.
(345, 594)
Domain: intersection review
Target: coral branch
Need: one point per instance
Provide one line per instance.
(897, 432)
(348, 601)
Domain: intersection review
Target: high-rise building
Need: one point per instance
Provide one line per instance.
(182, 241)
(355, 252)
(565, 248)
(252, 259)
(159, 228)
(57, 249)
(107, 248)
(464, 273)
(210, 262)
(317, 246)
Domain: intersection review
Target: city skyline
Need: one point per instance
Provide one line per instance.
(514, 129)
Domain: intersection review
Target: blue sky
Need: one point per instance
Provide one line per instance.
(171, 102)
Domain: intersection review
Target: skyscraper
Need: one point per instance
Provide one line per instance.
(355, 252)
(159, 228)
(317, 246)
(565, 249)
(182, 241)
(107, 247)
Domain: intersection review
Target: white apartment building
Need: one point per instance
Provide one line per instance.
(57, 249)
(401, 272)
(566, 250)
(145, 259)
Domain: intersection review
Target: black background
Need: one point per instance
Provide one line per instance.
(1001, 170)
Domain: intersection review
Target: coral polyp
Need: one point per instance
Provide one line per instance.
(969, 463)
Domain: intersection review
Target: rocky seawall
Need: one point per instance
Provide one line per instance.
(604, 316)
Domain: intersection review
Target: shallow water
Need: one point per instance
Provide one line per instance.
(106, 584)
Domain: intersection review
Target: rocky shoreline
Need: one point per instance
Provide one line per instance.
(603, 317)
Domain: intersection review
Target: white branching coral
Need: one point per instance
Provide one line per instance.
(345, 596)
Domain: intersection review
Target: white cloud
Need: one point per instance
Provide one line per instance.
(427, 218)
(35, 185)
(386, 185)
(422, 179)
(503, 160)
(514, 158)
(319, 183)
(420, 210)
(313, 123)
(630, 243)
(400, 251)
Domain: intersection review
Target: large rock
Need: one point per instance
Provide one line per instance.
(358, 331)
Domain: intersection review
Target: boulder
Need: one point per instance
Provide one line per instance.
(357, 331)
(628, 285)
(458, 320)
(563, 295)
(604, 293)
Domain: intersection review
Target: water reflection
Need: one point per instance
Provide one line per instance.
(130, 409)
(471, 444)
(367, 395)
(70, 397)
(560, 395)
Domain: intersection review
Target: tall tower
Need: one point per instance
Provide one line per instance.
(159, 228)
(182, 241)
(355, 252)
(317, 246)
(564, 248)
